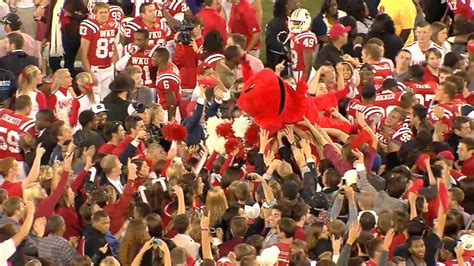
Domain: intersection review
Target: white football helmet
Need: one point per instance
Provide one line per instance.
(299, 21)
(123, 26)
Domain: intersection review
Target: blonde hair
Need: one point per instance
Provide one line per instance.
(174, 172)
(109, 261)
(83, 78)
(216, 203)
(46, 173)
(154, 109)
(132, 70)
(27, 80)
(33, 192)
(57, 78)
(99, 6)
(108, 163)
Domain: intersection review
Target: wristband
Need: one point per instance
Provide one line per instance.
(267, 176)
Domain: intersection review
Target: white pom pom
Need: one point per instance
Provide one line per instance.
(215, 143)
(240, 126)
(212, 124)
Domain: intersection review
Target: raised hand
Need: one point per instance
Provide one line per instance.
(359, 155)
(132, 170)
(354, 232)
(387, 242)
(39, 226)
(290, 135)
(264, 139)
(268, 157)
(40, 151)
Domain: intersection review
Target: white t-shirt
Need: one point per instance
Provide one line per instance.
(417, 56)
(8, 248)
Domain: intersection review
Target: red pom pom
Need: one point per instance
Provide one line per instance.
(174, 132)
(232, 144)
(225, 130)
(252, 137)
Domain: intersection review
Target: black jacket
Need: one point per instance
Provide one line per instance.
(16, 61)
(118, 108)
(104, 181)
(275, 52)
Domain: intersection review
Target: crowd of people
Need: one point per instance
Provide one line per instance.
(154, 133)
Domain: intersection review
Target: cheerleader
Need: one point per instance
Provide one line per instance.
(28, 81)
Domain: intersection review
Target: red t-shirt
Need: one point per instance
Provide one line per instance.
(285, 254)
(212, 21)
(15, 189)
(429, 77)
(243, 20)
(300, 234)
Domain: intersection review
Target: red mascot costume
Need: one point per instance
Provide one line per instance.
(272, 103)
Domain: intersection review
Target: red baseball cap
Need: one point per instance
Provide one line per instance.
(337, 30)
(202, 67)
(446, 154)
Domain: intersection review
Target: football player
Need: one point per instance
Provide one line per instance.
(303, 44)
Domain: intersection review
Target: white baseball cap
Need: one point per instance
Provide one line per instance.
(99, 108)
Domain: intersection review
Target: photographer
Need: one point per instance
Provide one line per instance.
(186, 58)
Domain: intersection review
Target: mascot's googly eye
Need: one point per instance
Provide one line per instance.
(249, 88)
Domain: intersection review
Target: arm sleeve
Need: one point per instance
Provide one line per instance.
(194, 119)
(310, 180)
(259, 164)
(41, 99)
(79, 181)
(212, 110)
(52, 102)
(74, 112)
(47, 205)
(344, 255)
(362, 182)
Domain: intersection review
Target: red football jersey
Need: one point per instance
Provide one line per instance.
(373, 114)
(400, 134)
(450, 110)
(300, 42)
(213, 59)
(388, 100)
(461, 7)
(102, 40)
(116, 13)
(424, 92)
(176, 7)
(284, 255)
(11, 127)
(167, 81)
(383, 70)
(142, 59)
(158, 33)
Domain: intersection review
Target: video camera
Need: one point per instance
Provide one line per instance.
(185, 32)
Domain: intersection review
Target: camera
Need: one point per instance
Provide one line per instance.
(185, 32)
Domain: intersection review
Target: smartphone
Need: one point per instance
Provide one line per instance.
(250, 177)
(156, 241)
(344, 183)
